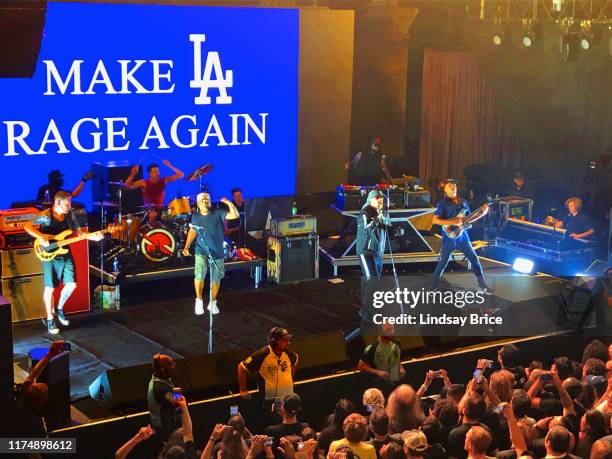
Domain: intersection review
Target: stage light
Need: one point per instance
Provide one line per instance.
(587, 37)
(523, 265)
(498, 38)
(528, 33)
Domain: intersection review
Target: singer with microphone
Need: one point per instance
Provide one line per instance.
(207, 230)
(372, 229)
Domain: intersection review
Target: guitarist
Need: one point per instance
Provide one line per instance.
(61, 269)
(447, 213)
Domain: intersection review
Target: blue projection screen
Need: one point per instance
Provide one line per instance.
(143, 83)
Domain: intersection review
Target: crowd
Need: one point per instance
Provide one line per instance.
(508, 409)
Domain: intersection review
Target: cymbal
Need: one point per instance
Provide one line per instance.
(105, 204)
(199, 172)
(118, 184)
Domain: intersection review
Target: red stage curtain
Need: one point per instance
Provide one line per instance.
(461, 124)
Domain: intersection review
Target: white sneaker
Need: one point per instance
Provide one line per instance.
(212, 306)
(199, 307)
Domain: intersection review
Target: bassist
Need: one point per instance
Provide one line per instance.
(448, 212)
(52, 222)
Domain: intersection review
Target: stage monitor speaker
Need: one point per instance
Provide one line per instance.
(21, 27)
(128, 386)
(115, 171)
(56, 376)
(6, 351)
(293, 259)
(26, 295)
(214, 370)
(320, 350)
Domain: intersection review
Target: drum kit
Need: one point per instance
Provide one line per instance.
(155, 233)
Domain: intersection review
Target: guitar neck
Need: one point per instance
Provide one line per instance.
(77, 238)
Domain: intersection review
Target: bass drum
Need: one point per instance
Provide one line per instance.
(156, 244)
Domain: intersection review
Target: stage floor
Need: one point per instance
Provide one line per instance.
(158, 317)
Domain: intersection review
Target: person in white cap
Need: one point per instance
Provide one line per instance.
(207, 230)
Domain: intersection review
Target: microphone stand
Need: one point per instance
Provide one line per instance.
(397, 285)
(212, 264)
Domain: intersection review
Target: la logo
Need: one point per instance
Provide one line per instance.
(204, 80)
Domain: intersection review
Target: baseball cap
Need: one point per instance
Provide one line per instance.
(375, 194)
(415, 440)
(450, 180)
(292, 403)
(518, 174)
(201, 196)
(279, 333)
(376, 140)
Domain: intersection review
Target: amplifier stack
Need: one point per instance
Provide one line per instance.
(293, 249)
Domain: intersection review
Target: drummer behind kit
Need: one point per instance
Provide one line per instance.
(158, 239)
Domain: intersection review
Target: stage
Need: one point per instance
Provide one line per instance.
(158, 317)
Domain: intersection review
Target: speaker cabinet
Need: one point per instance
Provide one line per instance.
(293, 259)
(6, 351)
(128, 386)
(56, 376)
(19, 262)
(26, 295)
(21, 26)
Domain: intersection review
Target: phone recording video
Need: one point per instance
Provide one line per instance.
(233, 410)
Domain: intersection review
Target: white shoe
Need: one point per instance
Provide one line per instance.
(212, 306)
(199, 307)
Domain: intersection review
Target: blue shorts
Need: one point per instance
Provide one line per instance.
(59, 270)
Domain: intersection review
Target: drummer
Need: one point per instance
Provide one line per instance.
(154, 187)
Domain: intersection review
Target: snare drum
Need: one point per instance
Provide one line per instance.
(179, 206)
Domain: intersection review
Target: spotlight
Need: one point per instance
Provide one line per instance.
(528, 34)
(523, 265)
(586, 35)
(498, 38)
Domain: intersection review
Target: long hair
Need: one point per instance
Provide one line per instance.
(502, 382)
(404, 410)
(231, 445)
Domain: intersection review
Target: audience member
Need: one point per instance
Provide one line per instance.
(334, 430)
(415, 444)
(162, 407)
(404, 410)
(355, 428)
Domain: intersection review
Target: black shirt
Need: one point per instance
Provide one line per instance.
(210, 231)
(368, 170)
(278, 431)
(49, 224)
(371, 232)
(578, 224)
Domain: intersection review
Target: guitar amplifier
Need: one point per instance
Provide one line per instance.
(416, 199)
(293, 259)
(15, 240)
(293, 226)
(15, 219)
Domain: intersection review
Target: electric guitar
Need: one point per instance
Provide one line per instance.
(58, 243)
(455, 231)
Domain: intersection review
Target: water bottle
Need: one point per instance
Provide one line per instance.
(116, 265)
(294, 209)
(47, 198)
(117, 296)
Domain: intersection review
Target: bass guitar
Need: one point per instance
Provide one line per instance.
(58, 244)
(455, 231)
